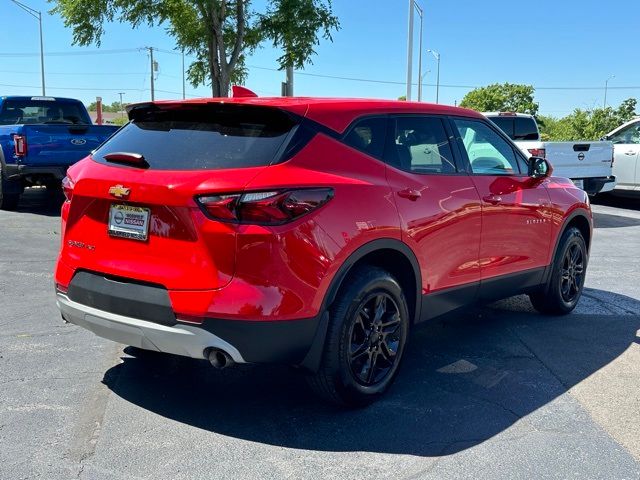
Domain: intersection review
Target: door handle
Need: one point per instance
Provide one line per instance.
(492, 199)
(410, 193)
(630, 152)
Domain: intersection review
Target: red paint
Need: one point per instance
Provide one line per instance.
(461, 228)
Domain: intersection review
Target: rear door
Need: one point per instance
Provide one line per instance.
(516, 214)
(626, 144)
(439, 208)
(139, 219)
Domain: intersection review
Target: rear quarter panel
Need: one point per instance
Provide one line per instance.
(309, 252)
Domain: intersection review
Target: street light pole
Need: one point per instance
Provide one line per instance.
(420, 12)
(606, 86)
(410, 50)
(38, 16)
(437, 57)
(121, 104)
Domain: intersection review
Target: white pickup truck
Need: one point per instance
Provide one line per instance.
(588, 164)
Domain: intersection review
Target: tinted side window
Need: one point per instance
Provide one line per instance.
(525, 129)
(420, 145)
(488, 152)
(368, 135)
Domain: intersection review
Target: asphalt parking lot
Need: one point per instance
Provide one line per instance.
(498, 391)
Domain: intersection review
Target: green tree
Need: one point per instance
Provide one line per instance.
(587, 124)
(219, 33)
(505, 97)
(113, 108)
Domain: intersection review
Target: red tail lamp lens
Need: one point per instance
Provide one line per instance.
(265, 208)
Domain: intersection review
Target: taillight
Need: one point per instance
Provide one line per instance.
(264, 208)
(67, 188)
(538, 152)
(20, 145)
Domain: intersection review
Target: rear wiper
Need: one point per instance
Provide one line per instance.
(133, 159)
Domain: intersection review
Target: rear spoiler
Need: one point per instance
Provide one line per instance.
(237, 92)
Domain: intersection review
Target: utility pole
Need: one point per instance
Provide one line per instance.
(153, 88)
(37, 15)
(289, 92)
(121, 104)
(183, 89)
(410, 50)
(421, 13)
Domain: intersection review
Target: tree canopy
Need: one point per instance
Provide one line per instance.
(590, 124)
(218, 33)
(505, 97)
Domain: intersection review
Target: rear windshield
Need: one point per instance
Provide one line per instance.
(16, 112)
(205, 137)
(517, 128)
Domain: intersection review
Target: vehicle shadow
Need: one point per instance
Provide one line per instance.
(465, 379)
(39, 201)
(606, 220)
(628, 201)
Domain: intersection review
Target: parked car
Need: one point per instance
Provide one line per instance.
(40, 137)
(588, 164)
(310, 232)
(626, 144)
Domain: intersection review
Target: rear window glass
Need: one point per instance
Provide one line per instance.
(525, 129)
(505, 124)
(517, 128)
(15, 112)
(202, 137)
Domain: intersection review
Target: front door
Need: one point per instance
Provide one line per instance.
(626, 144)
(516, 213)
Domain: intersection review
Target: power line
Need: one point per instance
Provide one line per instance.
(75, 73)
(71, 54)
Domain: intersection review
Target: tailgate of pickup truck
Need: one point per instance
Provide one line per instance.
(62, 145)
(580, 159)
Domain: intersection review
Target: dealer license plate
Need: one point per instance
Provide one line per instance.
(127, 221)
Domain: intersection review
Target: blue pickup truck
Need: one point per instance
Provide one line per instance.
(40, 137)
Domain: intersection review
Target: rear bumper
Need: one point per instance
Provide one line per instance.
(185, 340)
(599, 184)
(283, 342)
(15, 172)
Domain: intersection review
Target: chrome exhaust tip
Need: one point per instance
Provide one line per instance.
(218, 358)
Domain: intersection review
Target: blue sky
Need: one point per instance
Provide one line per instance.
(565, 48)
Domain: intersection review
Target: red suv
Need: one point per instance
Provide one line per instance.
(310, 232)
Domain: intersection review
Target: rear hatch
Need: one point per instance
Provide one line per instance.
(59, 144)
(133, 212)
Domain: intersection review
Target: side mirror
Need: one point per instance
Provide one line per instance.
(539, 167)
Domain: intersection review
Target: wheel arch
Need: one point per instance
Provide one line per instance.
(390, 254)
(579, 218)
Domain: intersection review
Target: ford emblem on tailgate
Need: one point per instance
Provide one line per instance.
(78, 141)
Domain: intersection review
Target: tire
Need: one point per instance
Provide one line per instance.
(369, 325)
(566, 281)
(8, 201)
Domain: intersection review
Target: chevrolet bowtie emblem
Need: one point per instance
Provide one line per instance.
(119, 191)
